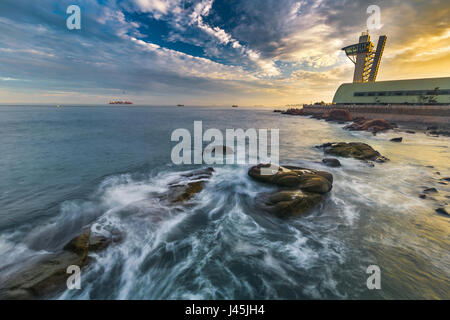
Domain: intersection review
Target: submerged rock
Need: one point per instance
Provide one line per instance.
(331, 162)
(400, 139)
(356, 150)
(443, 210)
(182, 191)
(430, 190)
(288, 203)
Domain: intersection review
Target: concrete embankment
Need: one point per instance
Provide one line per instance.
(427, 114)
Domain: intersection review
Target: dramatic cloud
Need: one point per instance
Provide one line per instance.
(204, 51)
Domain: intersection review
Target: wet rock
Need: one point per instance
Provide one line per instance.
(79, 244)
(277, 110)
(338, 115)
(288, 203)
(331, 162)
(302, 189)
(446, 179)
(400, 139)
(182, 191)
(430, 190)
(373, 126)
(356, 150)
(43, 278)
(423, 196)
(410, 132)
(288, 176)
(443, 210)
(46, 275)
(190, 191)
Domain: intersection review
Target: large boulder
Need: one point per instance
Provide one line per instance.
(301, 189)
(338, 115)
(356, 150)
(307, 180)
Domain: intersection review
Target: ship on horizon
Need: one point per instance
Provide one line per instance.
(120, 102)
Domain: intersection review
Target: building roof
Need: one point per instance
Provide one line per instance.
(406, 91)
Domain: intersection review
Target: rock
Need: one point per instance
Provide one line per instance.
(288, 203)
(46, 275)
(79, 244)
(430, 190)
(446, 179)
(277, 110)
(294, 112)
(357, 150)
(423, 196)
(42, 278)
(439, 133)
(182, 191)
(338, 115)
(443, 211)
(410, 132)
(289, 176)
(303, 189)
(213, 149)
(331, 162)
(432, 128)
(191, 190)
(400, 139)
(373, 126)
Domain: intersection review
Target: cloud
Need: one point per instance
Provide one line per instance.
(276, 51)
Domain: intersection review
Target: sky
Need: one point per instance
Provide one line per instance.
(208, 52)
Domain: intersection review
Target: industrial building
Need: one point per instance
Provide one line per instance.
(366, 91)
(417, 91)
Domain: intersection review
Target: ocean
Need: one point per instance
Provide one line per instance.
(63, 169)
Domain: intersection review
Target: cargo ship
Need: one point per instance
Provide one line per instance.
(120, 102)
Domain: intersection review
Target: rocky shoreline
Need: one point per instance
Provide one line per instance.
(374, 126)
(44, 276)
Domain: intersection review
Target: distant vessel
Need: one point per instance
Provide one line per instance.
(180, 105)
(120, 102)
(234, 106)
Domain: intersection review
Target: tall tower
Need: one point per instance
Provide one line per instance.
(366, 60)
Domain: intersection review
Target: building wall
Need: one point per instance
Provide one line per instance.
(388, 92)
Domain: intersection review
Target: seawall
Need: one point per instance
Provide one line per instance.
(439, 115)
